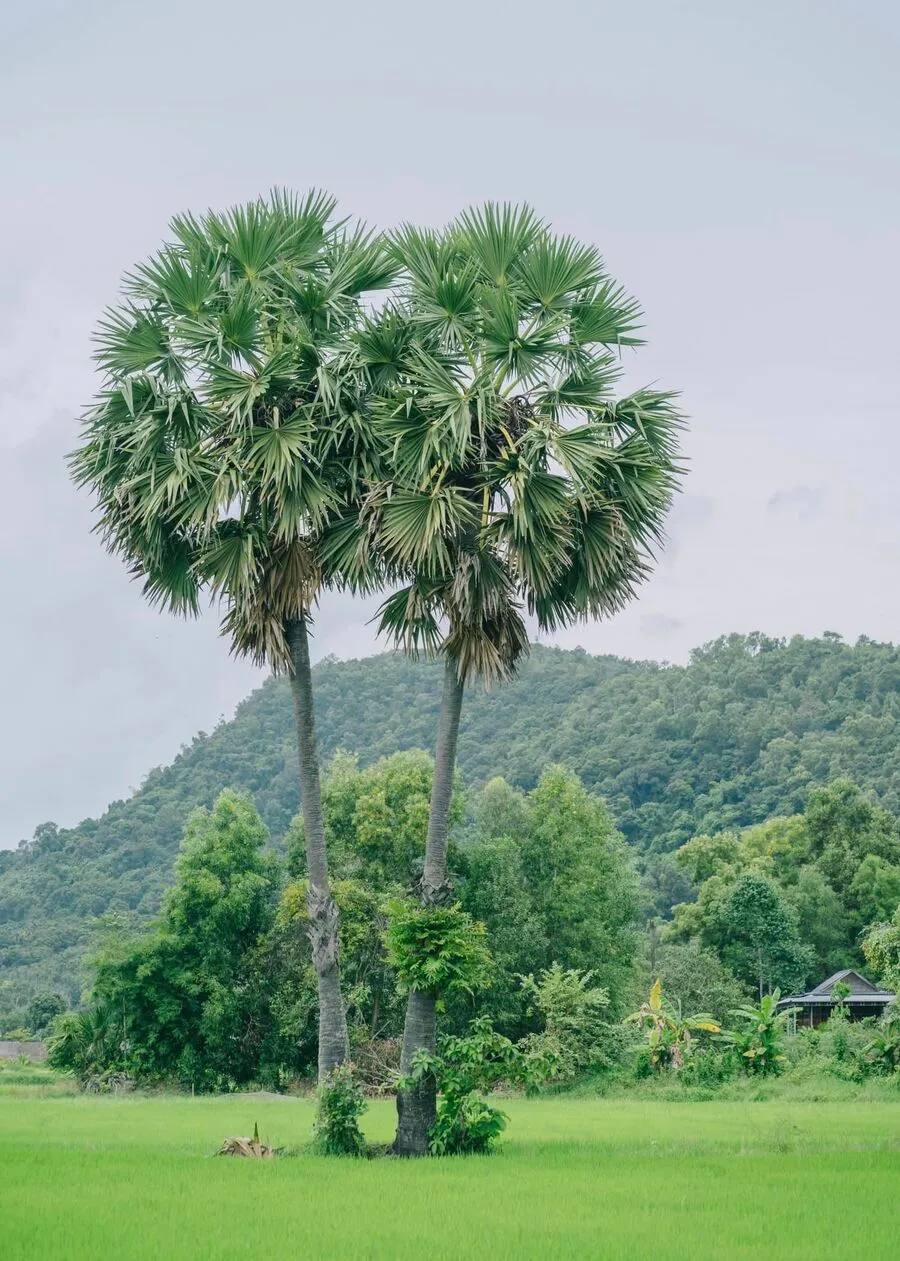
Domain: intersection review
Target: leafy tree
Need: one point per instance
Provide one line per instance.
(227, 436)
(695, 979)
(41, 1011)
(823, 924)
(576, 867)
(572, 1011)
(875, 890)
(881, 946)
(760, 940)
(376, 819)
(516, 476)
(191, 996)
(844, 826)
(559, 889)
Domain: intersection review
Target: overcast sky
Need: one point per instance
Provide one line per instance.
(737, 165)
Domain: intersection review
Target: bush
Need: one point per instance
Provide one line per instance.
(883, 1051)
(341, 1103)
(758, 1044)
(574, 1036)
(708, 1066)
(465, 1125)
(464, 1068)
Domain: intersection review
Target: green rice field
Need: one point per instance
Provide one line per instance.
(87, 1178)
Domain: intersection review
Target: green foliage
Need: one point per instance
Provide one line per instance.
(760, 1042)
(883, 1050)
(464, 1068)
(881, 946)
(550, 877)
(437, 949)
(517, 478)
(191, 996)
(340, 1103)
(376, 819)
(369, 984)
(574, 1033)
(740, 734)
(783, 902)
(669, 1034)
(41, 1010)
(89, 1044)
(695, 979)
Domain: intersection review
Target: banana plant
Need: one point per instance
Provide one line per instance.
(759, 1042)
(669, 1035)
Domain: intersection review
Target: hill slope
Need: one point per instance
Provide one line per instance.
(730, 739)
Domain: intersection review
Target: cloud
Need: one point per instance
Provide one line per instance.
(804, 502)
(660, 625)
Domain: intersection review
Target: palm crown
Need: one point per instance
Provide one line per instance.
(225, 435)
(518, 481)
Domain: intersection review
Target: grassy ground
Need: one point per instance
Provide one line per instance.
(87, 1178)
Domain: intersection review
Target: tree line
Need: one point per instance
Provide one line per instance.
(545, 978)
(828, 703)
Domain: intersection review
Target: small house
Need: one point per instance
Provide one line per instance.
(814, 1008)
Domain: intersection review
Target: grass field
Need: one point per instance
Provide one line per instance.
(89, 1178)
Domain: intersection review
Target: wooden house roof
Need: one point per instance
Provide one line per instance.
(862, 992)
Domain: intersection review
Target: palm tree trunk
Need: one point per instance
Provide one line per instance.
(416, 1108)
(334, 1045)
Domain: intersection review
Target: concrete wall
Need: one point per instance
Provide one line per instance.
(12, 1050)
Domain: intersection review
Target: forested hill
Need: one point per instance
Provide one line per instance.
(732, 738)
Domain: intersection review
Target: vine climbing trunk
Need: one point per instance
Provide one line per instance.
(417, 1107)
(334, 1045)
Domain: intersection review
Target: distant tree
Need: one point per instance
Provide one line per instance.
(695, 979)
(844, 826)
(41, 1011)
(192, 995)
(881, 946)
(760, 940)
(559, 889)
(875, 890)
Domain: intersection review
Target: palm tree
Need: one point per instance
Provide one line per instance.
(519, 482)
(225, 438)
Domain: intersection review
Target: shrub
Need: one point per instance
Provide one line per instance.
(574, 1035)
(465, 1125)
(464, 1068)
(883, 1050)
(708, 1066)
(341, 1103)
(759, 1042)
(85, 1043)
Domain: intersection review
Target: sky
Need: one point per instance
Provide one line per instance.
(736, 164)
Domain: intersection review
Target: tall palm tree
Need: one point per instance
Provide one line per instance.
(226, 436)
(519, 482)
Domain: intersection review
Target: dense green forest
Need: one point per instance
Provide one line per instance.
(737, 736)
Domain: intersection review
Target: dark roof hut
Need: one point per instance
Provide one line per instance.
(864, 999)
